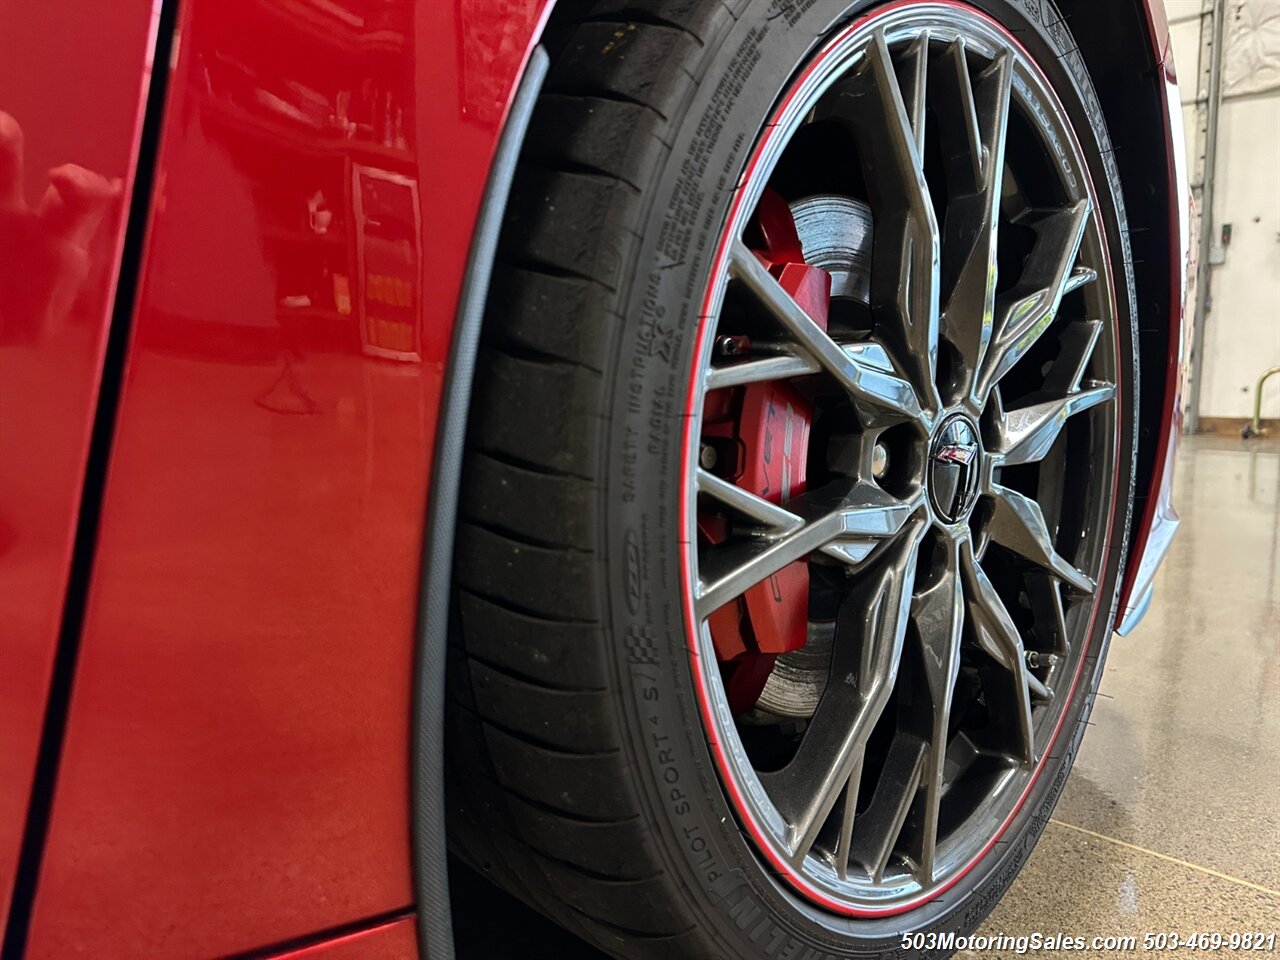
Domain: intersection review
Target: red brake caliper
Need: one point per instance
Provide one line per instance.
(766, 426)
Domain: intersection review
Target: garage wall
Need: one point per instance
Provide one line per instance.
(1242, 332)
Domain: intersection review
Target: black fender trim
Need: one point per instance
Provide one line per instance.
(430, 857)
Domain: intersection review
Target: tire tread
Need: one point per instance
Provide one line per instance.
(542, 787)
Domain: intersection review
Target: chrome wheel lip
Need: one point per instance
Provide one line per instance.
(816, 879)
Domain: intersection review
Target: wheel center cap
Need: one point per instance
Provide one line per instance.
(955, 464)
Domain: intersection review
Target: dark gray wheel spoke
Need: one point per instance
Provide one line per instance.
(1018, 524)
(1075, 350)
(881, 826)
(938, 613)
(973, 213)
(782, 366)
(914, 85)
(772, 518)
(904, 291)
(1080, 276)
(1027, 311)
(847, 814)
(1030, 431)
(997, 635)
(960, 113)
(831, 516)
(787, 362)
(870, 633)
(864, 380)
(1046, 605)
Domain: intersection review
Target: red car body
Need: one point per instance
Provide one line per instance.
(223, 339)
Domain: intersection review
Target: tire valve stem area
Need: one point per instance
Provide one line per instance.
(764, 429)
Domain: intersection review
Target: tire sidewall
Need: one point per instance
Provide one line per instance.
(743, 908)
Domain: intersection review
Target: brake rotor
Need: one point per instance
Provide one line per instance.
(835, 235)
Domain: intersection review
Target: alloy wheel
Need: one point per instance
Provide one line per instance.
(901, 458)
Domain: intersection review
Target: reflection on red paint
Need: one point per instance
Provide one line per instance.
(66, 163)
(236, 766)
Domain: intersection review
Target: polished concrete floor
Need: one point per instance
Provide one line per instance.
(1171, 818)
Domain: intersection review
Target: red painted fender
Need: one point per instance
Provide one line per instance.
(234, 773)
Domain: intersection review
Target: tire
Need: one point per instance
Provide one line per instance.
(582, 777)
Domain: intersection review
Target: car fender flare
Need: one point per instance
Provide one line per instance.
(427, 812)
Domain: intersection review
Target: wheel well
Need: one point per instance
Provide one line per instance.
(1127, 77)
